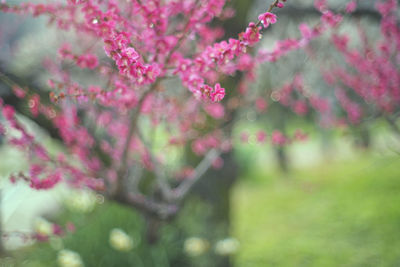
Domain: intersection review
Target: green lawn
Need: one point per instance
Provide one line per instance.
(336, 214)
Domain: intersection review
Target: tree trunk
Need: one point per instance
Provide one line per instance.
(282, 159)
(215, 190)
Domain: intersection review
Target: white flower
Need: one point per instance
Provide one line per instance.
(43, 227)
(82, 201)
(119, 240)
(227, 246)
(69, 258)
(195, 246)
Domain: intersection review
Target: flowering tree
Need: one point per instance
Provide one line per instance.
(146, 51)
(152, 91)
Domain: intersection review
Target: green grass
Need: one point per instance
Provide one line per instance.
(91, 241)
(335, 214)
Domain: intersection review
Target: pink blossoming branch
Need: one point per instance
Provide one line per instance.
(371, 74)
(145, 52)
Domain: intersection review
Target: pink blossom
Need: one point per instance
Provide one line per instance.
(33, 104)
(89, 61)
(261, 136)
(300, 107)
(65, 51)
(277, 138)
(8, 112)
(340, 41)
(320, 4)
(41, 153)
(57, 230)
(386, 7)
(261, 104)
(48, 182)
(328, 17)
(305, 30)
(351, 6)
(267, 18)
(218, 93)
(19, 92)
(215, 110)
(299, 135)
(252, 34)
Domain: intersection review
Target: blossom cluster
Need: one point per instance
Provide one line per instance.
(147, 43)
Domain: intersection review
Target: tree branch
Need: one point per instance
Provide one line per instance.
(147, 206)
(184, 188)
(161, 179)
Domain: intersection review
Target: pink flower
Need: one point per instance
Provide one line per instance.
(131, 53)
(89, 61)
(331, 19)
(267, 18)
(300, 107)
(151, 72)
(261, 104)
(65, 51)
(252, 34)
(199, 147)
(57, 230)
(121, 40)
(215, 110)
(8, 112)
(340, 41)
(41, 153)
(278, 138)
(299, 135)
(351, 6)
(46, 183)
(305, 30)
(320, 5)
(386, 7)
(19, 92)
(218, 93)
(73, 2)
(34, 104)
(261, 136)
